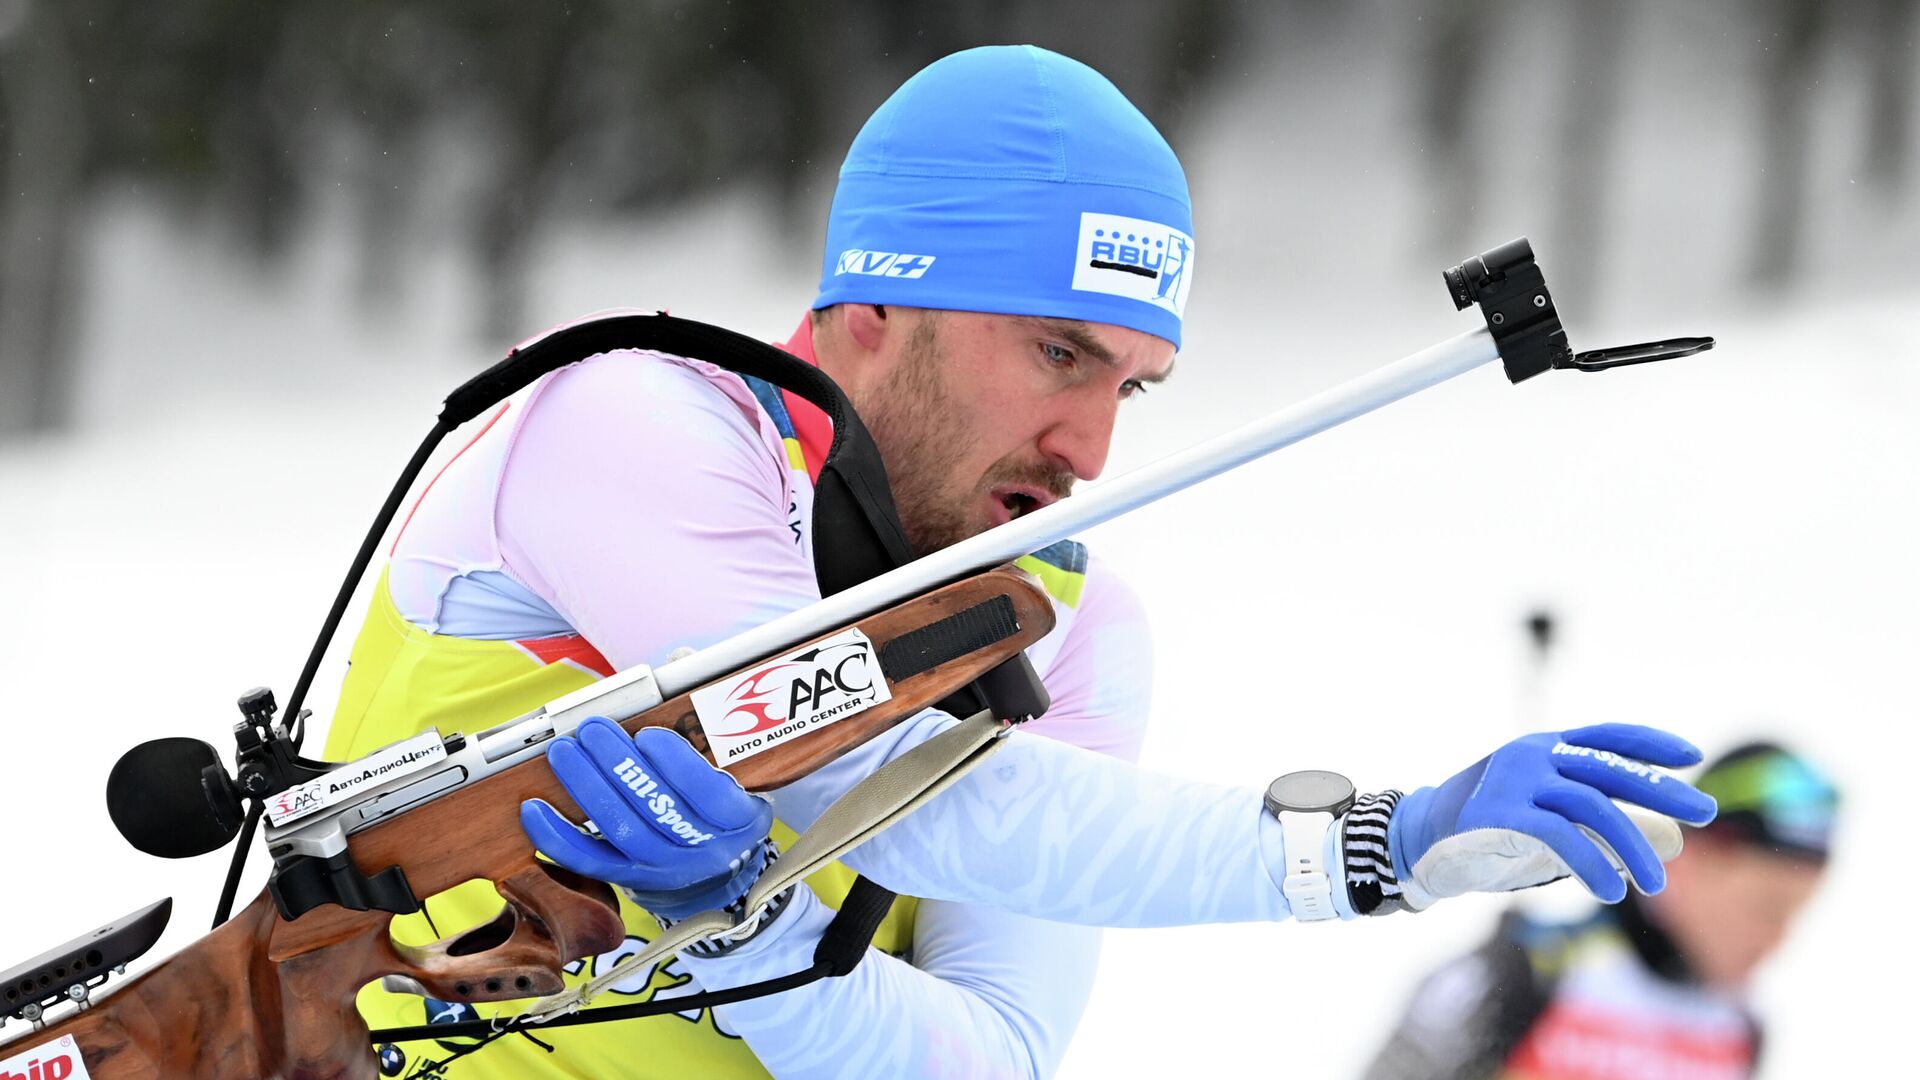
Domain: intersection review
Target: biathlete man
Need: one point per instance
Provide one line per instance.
(1008, 258)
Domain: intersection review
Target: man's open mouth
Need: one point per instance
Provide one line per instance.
(1021, 501)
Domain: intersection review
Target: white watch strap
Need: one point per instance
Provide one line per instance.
(1307, 886)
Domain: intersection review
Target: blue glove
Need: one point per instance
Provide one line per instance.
(679, 835)
(1532, 812)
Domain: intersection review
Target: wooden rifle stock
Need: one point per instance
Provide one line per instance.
(262, 996)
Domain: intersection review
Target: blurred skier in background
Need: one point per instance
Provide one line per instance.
(1653, 986)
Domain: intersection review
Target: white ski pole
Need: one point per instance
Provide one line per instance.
(1096, 505)
(1522, 329)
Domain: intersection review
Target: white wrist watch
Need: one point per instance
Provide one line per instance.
(1307, 804)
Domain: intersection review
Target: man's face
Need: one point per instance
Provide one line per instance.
(982, 418)
(1729, 904)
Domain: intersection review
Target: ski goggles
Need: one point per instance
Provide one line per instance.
(1774, 798)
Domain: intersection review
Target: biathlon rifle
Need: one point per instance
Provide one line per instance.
(270, 992)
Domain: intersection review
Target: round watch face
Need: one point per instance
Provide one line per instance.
(1310, 791)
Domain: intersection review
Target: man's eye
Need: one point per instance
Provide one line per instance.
(1056, 354)
(1132, 388)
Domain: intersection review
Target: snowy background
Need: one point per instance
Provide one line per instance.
(1728, 540)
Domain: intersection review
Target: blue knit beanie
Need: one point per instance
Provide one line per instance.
(1013, 180)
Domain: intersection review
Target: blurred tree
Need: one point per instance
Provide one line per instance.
(1596, 47)
(1894, 55)
(1467, 111)
(45, 150)
(1881, 33)
(1789, 86)
(1452, 63)
(492, 117)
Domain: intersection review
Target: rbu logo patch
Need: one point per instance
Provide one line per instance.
(883, 264)
(1142, 260)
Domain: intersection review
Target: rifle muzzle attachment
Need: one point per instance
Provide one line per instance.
(1512, 293)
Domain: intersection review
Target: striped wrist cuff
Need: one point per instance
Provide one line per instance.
(1372, 886)
(746, 924)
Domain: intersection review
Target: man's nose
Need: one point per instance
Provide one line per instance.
(1081, 437)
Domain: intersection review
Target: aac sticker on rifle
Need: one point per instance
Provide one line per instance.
(384, 764)
(780, 700)
(57, 1060)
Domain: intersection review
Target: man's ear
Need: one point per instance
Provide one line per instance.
(866, 324)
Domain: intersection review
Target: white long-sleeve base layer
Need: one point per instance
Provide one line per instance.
(1057, 832)
(1045, 829)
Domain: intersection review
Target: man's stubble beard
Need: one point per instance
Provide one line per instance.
(916, 427)
(919, 429)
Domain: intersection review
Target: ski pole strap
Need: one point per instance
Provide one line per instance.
(893, 791)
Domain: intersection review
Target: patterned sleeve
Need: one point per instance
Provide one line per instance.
(1058, 832)
(645, 500)
(986, 993)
